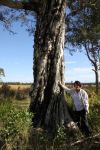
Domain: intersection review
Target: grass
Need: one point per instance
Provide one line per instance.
(19, 86)
(38, 139)
(23, 104)
(16, 86)
(15, 123)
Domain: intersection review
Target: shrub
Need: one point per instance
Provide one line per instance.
(22, 93)
(6, 91)
(14, 125)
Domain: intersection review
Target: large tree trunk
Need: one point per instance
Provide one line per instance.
(48, 101)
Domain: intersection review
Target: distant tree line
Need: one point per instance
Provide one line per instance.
(17, 83)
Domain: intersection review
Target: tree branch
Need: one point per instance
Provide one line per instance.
(87, 52)
(85, 139)
(31, 5)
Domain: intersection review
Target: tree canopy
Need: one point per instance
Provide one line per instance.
(83, 30)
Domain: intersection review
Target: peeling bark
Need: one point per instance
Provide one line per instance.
(48, 101)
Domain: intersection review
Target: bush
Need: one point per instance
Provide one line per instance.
(22, 93)
(94, 115)
(14, 125)
(6, 91)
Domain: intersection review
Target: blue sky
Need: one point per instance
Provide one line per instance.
(16, 57)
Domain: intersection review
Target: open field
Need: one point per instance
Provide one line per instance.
(27, 85)
(15, 126)
(16, 86)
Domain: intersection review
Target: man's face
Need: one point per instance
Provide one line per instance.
(77, 87)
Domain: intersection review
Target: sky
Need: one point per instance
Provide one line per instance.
(16, 57)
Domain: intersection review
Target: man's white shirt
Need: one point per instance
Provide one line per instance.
(80, 99)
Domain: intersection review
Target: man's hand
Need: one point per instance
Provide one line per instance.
(62, 86)
(87, 111)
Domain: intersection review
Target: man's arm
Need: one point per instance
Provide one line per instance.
(64, 87)
(85, 100)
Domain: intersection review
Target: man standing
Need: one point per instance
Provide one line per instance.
(80, 106)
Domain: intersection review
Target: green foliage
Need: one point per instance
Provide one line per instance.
(14, 124)
(83, 22)
(48, 141)
(94, 115)
(2, 72)
(83, 29)
(61, 139)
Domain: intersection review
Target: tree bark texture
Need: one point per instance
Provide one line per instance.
(48, 101)
(96, 79)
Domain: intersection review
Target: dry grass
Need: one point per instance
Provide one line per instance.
(19, 86)
(16, 86)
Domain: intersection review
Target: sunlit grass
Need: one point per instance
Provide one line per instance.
(23, 104)
(39, 140)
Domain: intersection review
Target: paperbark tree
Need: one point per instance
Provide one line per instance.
(47, 99)
(93, 54)
(84, 31)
